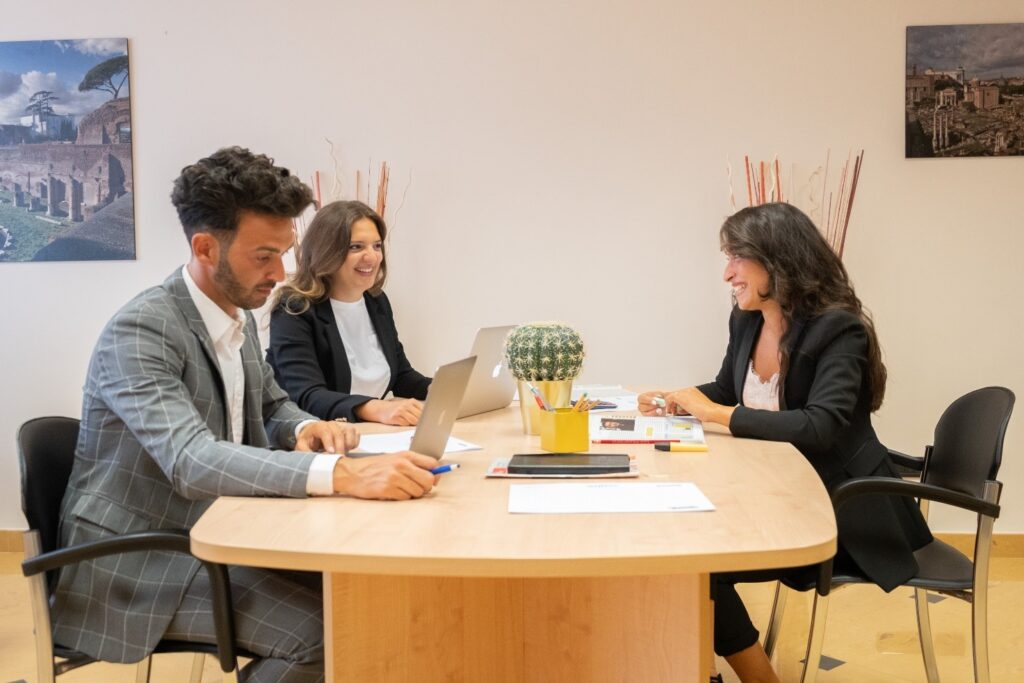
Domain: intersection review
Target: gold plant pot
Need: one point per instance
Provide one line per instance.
(556, 392)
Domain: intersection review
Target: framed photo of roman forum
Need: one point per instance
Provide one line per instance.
(65, 151)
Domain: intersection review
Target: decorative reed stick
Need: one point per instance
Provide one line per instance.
(765, 183)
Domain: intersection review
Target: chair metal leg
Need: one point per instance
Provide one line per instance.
(816, 637)
(979, 591)
(979, 632)
(142, 671)
(924, 631)
(40, 612)
(771, 636)
(198, 662)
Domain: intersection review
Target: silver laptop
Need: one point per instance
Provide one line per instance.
(441, 407)
(491, 385)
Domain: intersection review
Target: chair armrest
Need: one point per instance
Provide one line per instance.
(906, 465)
(862, 486)
(171, 540)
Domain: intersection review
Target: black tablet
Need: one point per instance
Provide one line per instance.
(569, 463)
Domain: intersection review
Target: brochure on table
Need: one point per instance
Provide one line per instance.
(621, 428)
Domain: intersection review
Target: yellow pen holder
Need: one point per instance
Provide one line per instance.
(564, 430)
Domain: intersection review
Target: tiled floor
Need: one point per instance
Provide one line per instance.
(874, 635)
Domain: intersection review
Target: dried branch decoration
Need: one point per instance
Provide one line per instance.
(830, 211)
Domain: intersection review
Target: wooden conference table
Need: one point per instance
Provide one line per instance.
(452, 587)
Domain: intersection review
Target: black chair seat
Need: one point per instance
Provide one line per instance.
(941, 567)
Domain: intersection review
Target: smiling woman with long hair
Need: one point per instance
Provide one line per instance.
(333, 343)
(803, 365)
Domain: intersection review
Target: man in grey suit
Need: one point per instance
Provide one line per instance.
(179, 408)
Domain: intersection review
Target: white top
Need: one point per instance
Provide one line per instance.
(758, 393)
(371, 373)
(228, 334)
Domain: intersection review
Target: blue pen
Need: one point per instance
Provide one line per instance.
(445, 468)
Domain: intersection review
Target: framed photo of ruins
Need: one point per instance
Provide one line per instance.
(965, 90)
(66, 188)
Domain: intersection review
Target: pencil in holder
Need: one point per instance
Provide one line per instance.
(565, 430)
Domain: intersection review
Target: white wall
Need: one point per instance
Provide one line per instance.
(551, 143)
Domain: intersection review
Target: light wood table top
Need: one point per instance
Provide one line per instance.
(771, 511)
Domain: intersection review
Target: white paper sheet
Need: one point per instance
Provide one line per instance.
(607, 497)
(372, 444)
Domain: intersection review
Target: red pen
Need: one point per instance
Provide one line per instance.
(635, 441)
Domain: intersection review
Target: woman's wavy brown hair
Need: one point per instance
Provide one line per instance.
(323, 249)
(805, 276)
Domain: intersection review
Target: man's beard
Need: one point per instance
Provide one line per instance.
(235, 292)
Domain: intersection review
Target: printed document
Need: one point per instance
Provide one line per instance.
(393, 442)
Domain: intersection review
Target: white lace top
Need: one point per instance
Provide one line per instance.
(760, 394)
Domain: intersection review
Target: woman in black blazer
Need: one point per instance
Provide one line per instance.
(804, 366)
(338, 287)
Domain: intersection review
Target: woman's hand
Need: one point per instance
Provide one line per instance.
(647, 405)
(692, 401)
(403, 412)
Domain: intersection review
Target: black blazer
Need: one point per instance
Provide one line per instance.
(825, 411)
(309, 360)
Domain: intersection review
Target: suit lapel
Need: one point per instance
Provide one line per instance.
(796, 331)
(342, 372)
(175, 284)
(739, 371)
(252, 364)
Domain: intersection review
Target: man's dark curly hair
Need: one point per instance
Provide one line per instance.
(211, 193)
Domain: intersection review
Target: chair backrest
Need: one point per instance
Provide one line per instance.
(968, 446)
(46, 451)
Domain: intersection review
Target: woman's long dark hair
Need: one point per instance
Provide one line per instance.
(323, 249)
(805, 276)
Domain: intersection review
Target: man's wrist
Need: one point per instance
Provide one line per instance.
(342, 476)
(302, 425)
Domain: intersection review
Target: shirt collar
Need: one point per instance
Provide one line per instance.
(221, 326)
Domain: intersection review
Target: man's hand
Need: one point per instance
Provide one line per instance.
(327, 436)
(396, 476)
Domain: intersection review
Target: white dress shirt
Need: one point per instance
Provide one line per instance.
(228, 335)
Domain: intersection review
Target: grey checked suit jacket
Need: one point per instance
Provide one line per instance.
(153, 452)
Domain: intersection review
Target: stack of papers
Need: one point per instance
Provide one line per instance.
(607, 497)
(393, 442)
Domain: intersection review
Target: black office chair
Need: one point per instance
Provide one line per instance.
(958, 469)
(46, 450)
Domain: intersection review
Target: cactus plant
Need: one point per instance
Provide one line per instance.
(544, 351)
